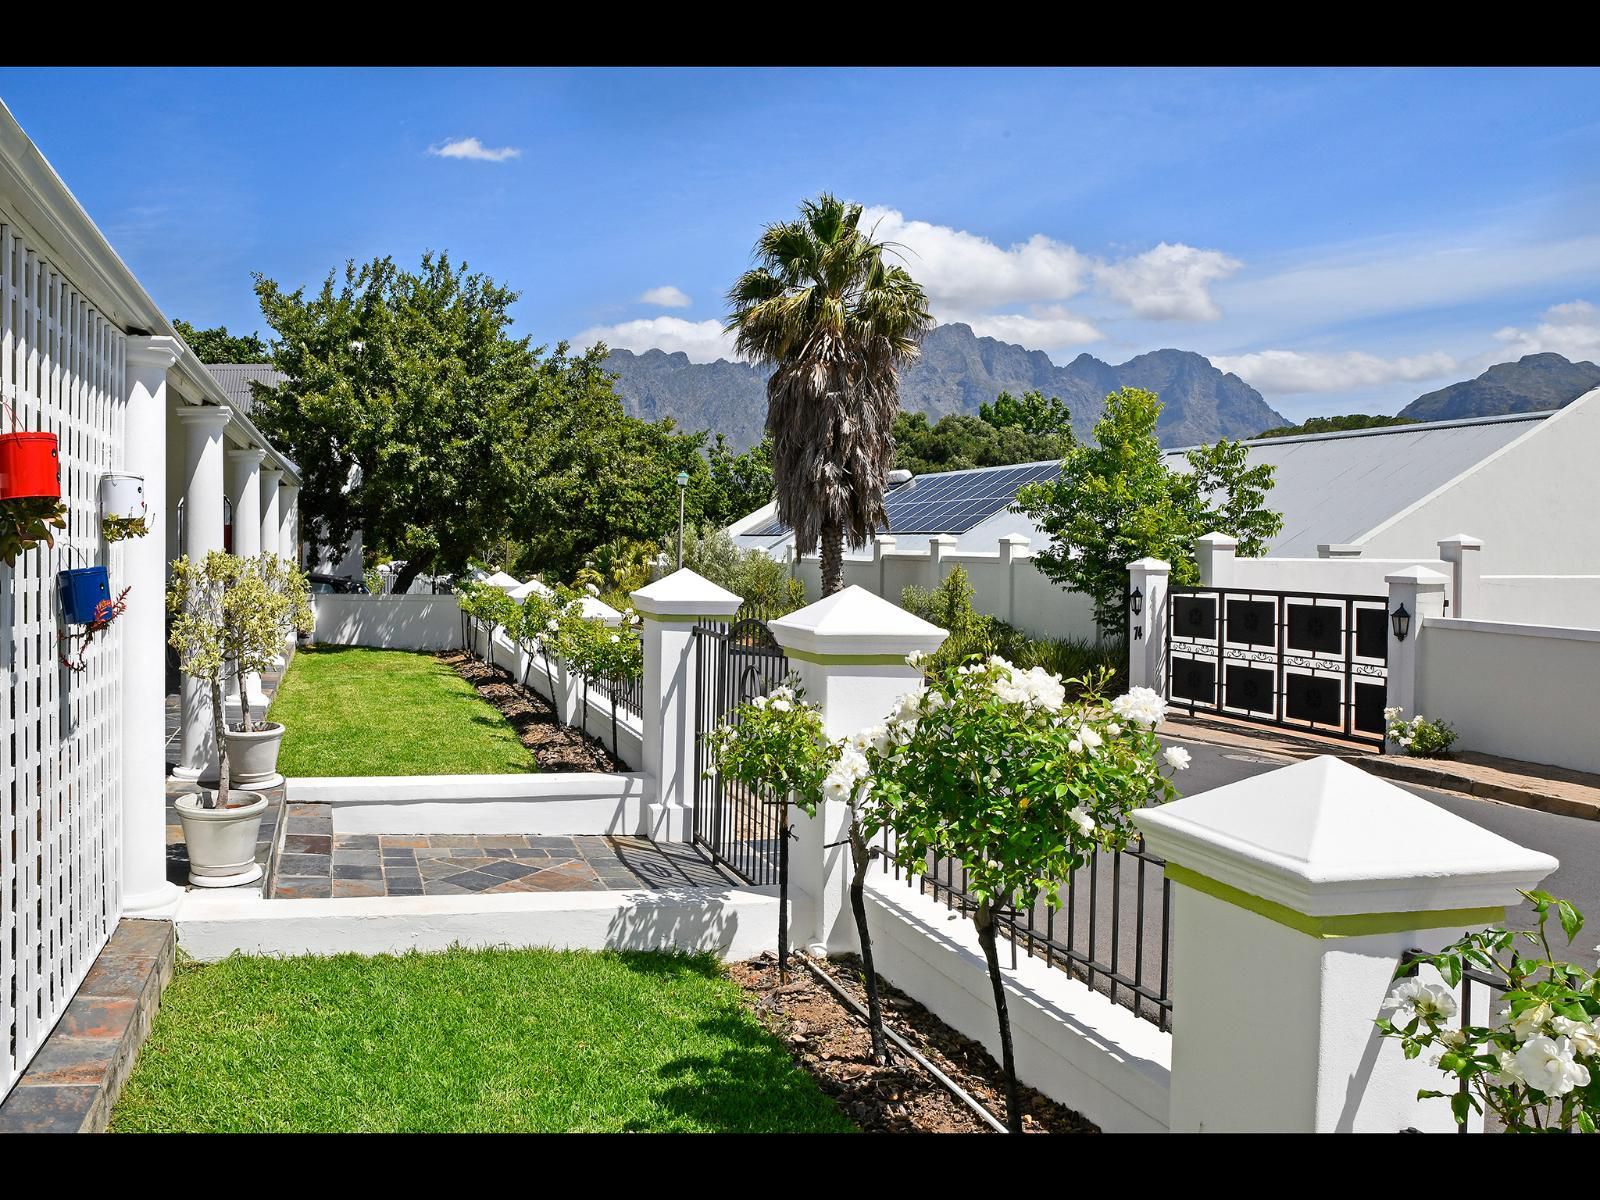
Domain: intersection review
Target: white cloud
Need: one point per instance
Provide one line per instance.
(472, 148)
(702, 341)
(1286, 372)
(1043, 326)
(1170, 282)
(666, 296)
(1571, 330)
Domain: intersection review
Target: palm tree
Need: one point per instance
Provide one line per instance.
(823, 308)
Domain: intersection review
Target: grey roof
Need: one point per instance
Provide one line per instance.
(235, 379)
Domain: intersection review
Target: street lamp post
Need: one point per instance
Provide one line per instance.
(683, 487)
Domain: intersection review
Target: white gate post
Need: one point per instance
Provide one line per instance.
(1215, 554)
(1420, 592)
(1463, 553)
(671, 606)
(1147, 628)
(146, 891)
(849, 651)
(1296, 894)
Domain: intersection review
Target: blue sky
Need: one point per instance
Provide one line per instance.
(1342, 239)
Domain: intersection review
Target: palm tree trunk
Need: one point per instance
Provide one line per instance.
(861, 858)
(983, 918)
(832, 560)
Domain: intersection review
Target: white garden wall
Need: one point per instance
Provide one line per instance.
(1519, 690)
(1571, 600)
(388, 622)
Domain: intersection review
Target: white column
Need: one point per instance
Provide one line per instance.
(244, 491)
(1464, 553)
(1147, 628)
(671, 607)
(1296, 894)
(1013, 553)
(202, 533)
(271, 484)
(1420, 592)
(1214, 555)
(289, 524)
(940, 547)
(849, 651)
(145, 890)
(883, 545)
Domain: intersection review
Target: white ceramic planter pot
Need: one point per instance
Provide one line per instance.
(122, 496)
(222, 841)
(253, 756)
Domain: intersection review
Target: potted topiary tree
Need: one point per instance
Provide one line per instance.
(230, 615)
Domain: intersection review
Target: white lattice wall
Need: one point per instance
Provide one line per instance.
(61, 366)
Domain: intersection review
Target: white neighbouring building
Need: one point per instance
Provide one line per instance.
(86, 353)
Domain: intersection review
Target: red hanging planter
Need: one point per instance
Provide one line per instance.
(30, 463)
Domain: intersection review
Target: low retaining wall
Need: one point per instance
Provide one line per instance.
(388, 622)
(734, 924)
(1071, 1043)
(553, 804)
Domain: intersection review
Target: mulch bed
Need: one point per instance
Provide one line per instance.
(831, 1044)
(555, 746)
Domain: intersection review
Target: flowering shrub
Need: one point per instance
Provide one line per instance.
(992, 766)
(1419, 736)
(1537, 1067)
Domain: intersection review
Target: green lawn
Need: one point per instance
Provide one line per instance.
(349, 711)
(488, 1040)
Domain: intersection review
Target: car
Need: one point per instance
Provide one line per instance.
(336, 585)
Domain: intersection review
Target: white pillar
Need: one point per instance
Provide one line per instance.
(671, 607)
(883, 545)
(1420, 592)
(1013, 553)
(202, 533)
(1147, 628)
(271, 484)
(289, 523)
(849, 651)
(1214, 554)
(1296, 894)
(244, 490)
(145, 890)
(1464, 554)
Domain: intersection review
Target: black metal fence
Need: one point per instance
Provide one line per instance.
(625, 695)
(1112, 931)
(738, 826)
(1307, 660)
(1477, 987)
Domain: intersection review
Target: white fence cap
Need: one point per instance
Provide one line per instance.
(683, 595)
(855, 622)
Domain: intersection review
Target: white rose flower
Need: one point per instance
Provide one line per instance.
(1584, 1037)
(1082, 819)
(1509, 1074)
(758, 702)
(781, 706)
(1530, 1022)
(1177, 758)
(1548, 1066)
(615, 639)
(916, 658)
(553, 625)
(1412, 998)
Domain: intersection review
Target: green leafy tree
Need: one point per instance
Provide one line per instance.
(1117, 500)
(1338, 424)
(219, 346)
(739, 483)
(413, 414)
(1033, 413)
(836, 322)
(757, 578)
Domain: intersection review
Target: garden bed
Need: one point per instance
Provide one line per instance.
(831, 1044)
(556, 747)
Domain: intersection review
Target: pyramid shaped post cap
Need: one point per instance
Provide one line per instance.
(1150, 566)
(855, 622)
(685, 596)
(502, 581)
(1218, 539)
(1464, 540)
(1324, 838)
(1424, 579)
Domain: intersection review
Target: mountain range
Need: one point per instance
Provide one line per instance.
(957, 371)
(1532, 383)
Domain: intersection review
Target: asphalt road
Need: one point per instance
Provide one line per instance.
(1573, 841)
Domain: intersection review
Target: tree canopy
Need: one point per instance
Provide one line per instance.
(219, 346)
(1117, 500)
(1338, 424)
(1008, 431)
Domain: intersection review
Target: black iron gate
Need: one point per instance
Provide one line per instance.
(738, 826)
(1307, 660)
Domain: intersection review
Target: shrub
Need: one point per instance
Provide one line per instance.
(1419, 736)
(757, 578)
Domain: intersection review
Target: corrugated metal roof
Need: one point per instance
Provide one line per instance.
(235, 379)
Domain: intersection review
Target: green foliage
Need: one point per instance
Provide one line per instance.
(740, 483)
(1337, 424)
(466, 1041)
(757, 578)
(219, 346)
(373, 578)
(1419, 737)
(1008, 431)
(1033, 414)
(1116, 500)
(27, 523)
(775, 741)
(116, 529)
(617, 568)
(1536, 1065)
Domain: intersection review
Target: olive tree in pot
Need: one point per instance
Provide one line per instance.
(230, 615)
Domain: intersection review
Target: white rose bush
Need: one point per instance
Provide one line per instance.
(1537, 1066)
(1418, 737)
(992, 766)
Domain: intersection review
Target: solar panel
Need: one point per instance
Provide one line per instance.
(949, 502)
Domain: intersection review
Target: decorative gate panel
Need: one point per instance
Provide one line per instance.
(61, 371)
(739, 826)
(1308, 660)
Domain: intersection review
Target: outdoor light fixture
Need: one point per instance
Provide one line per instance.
(683, 487)
(1136, 601)
(1402, 623)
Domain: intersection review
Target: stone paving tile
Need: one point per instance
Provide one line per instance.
(355, 841)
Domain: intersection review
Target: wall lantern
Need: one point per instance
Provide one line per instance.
(1401, 620)
(1136, 601)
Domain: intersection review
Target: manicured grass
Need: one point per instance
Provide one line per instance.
(349, 711)
(487, 1040)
